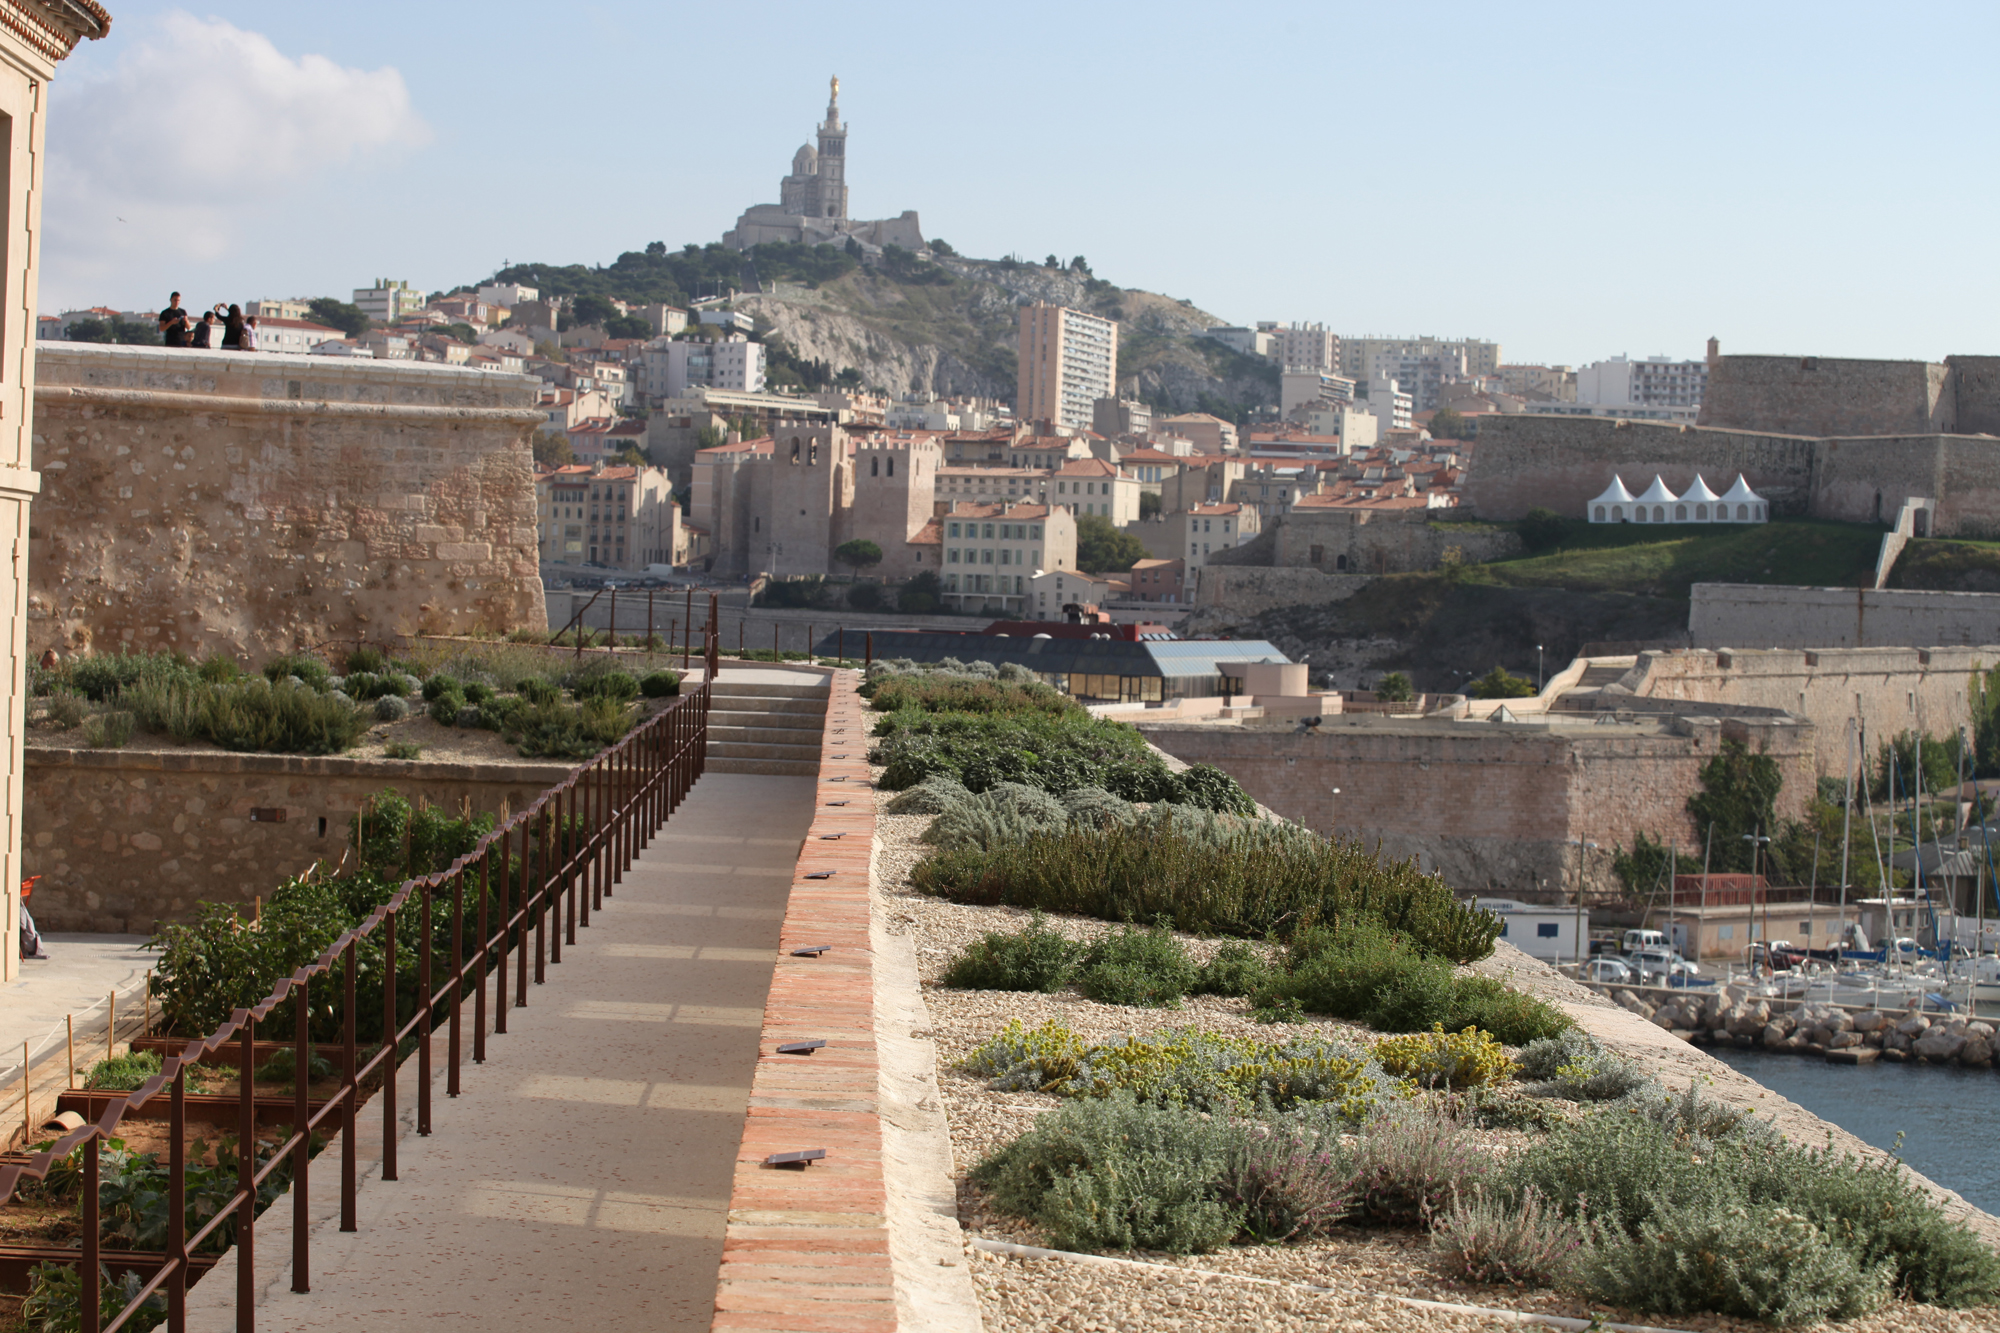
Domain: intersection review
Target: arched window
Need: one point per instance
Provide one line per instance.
(812, 454)
(892, 466)
(874, 467)
(1340, 562)
(1742, 513)
(1617, 513)
(1659, 513)
(1680, 513)
(795, 448)
(1760, 513)
(1701, 513)
(1600, 514)
(1638, 513)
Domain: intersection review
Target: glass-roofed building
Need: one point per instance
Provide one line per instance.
(1094, 670)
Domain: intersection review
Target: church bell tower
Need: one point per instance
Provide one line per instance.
(833, 161)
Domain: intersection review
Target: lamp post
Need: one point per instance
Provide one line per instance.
(1331, 792)
(1538, 668)
(1580, 943)
(1757, 842)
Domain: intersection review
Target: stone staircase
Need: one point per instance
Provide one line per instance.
(1586, 694)
(767, 728)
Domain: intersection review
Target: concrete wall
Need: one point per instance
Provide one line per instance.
(1490, 807)
(1891, 689)
(126, 839)
(250, 504)
(1824, 395)
(1749, 615)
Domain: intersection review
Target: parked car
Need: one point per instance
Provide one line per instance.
(1663, 964)
(1609, 970)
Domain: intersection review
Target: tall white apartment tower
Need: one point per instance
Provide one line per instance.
(1068, 360)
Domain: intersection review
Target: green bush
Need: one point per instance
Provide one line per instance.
(440, 685)
(536, 690)
(1116, 1175)
(445, 708)
(252, 715)
(1289, 1184)
(477, 692)
(1056, 751)
(371, 660)
(566, 731)
(1574, 1065)
(942, 693)
(1209, 788)
(1094, 807)
(391, 708)
(402, 750)
(660, 684)
(1486, 1237)
(283, 1067)
(122, 1073)
(55, 1299)
(1261, 879)
(100, 678)
(220, 670)
(1005, 813)
(306, 666)
(616, 687)
(1145, 968)
(1036, 959)
(109, 731)
(932, 796)
(1235, 969)
(1411, 1164)
(66, 709)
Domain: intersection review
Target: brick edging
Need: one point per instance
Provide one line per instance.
(808, 1249)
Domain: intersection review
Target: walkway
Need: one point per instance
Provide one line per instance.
(583, 1180)
(79, 976)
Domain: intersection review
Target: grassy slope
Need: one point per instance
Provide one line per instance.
(1943, 566)
(1665, 561)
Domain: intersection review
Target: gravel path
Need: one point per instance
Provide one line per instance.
(1366, 1268)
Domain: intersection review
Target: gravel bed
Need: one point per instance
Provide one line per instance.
(1366, 1268)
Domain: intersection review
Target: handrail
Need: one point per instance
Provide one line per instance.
(601, 815)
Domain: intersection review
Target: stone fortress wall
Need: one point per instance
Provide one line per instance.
(252, 504)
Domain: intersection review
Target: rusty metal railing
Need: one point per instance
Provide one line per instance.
(542, 873)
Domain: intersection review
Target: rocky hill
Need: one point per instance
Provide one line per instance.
(908, 326)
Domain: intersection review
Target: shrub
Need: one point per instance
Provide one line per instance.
(470, 717)
(391, 708)
(536, 690)
(1005, 813)
(220, 670)
(945, 693)
(55, 1299)
(616, 687)
(306, 666)
(1235, 968)
(1575, 1066)
(371, 660)
(1036, 959)
(109, 731)
(283, 1067)
(1209, 788)
(566, 731)
(1489, 1238)
(445, 708)
(1144, 780)
(660, 684)
(403, 750)
(1514, 1017)
(1440, 1059)
(252, 715)
(440, 685)
(1262, 878)
(100, 678)
(1117, 1175)
(122, 1073)
(65, 709)
(932, 796)
(477, 692)
(1288, 1184)
(1145, 968)
(1094, 807)
(1410, 1165)
(865, 596)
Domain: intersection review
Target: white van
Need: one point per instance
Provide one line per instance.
(1635, 940)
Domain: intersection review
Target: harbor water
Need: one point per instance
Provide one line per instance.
(1948, 1116)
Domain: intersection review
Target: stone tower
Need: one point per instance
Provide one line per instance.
(830, 195)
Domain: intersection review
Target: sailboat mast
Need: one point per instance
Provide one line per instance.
(1846, 824)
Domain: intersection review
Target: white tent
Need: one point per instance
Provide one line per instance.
(1614, 506)
(1698, 505)
(1740, 504)
(1655, 504)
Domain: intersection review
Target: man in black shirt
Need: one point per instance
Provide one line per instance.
(174, 323)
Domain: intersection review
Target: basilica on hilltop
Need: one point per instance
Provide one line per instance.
(812, 201)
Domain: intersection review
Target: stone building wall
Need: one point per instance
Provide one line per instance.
(251, 504)
(127, 839)
(1759, 615)
(1253, 590)
(1491, 807)
(1825, 395)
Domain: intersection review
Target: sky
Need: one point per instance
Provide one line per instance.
(1574, 181)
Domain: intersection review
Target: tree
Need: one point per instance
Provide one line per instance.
(464, 333)
(1738, 797)
(551, 449)
(656, 249)
(865, 596)
(710, 437)
(1450, 424)
(849, 379)
(627, 326)
(858, 554)
(919, 595)
(632, 456)
(1077, 265)
(853, 248)
(338, 314)
(114, 330)
(939, 247)
(590, 310)
(1052, 262)
(1393, 688)
(1499, 683)
(1643, 869)
(1102, 549)
(1149, 505)
(1542, 529)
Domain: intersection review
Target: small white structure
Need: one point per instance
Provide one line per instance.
(1740, 504)
(1655, 504)
(1614, 506)
(1547, 933)
(1660, 505)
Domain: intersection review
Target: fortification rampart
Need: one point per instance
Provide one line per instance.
(250, 504)
(1756, 615)
(1826, 395)
(1493, 806)
(1253, 590)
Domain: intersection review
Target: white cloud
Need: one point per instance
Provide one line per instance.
(199, 128)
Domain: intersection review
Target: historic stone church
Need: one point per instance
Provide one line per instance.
(812, 201)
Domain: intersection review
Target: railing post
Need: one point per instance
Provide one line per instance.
(389, 1026)
(301, 1117)
(92, 1311)
(246, 1177)
(177, 1253)
(689, 622)
(541, 895)
(503, 924)
(350, 1120)
(454, 1042)
(521, 940)
(550, 888)
(479, 965)
(427, 1004)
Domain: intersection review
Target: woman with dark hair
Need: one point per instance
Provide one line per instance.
(232, 326)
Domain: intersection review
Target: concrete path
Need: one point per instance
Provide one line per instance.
(83, 972)
(583, 1180)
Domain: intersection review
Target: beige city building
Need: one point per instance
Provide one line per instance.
(35, 37)
(991, 552)
(1358, 355)
(1195, 534)
(624, 517)
(1093, 486)
(992, 485)
(1208, 434)
(1068, 360)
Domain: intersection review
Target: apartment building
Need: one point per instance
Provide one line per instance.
(1393, 408)
(1194, 534)
(1303, 390)
(1656, 382)
(278, 334)
(295, 308)
(1273, 488)
(1251, 342)
(509, 294)
(1052, 590)
(1358, 353)
(734, 365)
(388, 301)
(991, 551)
(623, 517)
(1304, 346)
(1207, 434)
(1093, 486)
(1067, 361)
(992, 485)
(1553, 382)
(1159, 581)
(1114, 417)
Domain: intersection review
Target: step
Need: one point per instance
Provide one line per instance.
(758, 750)
(758, 689)
(775, 721)
(761, 736)
(786, 768)
(750, 703)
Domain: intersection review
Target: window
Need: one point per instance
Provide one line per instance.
(892, 467)
(1319, 555)
(986, 557)
(1725, 932)
(1600, 513)
(1680, 513)
(874, 467)
(951, 556)
(989, 532)
(954, 530)
(1700, 513)
(1036, 532)
(1547, 930)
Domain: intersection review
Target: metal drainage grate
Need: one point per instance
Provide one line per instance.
(800, 1047)
(811, 951)
(800, 1160)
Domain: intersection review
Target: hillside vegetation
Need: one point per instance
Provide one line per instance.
(1940, 566)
